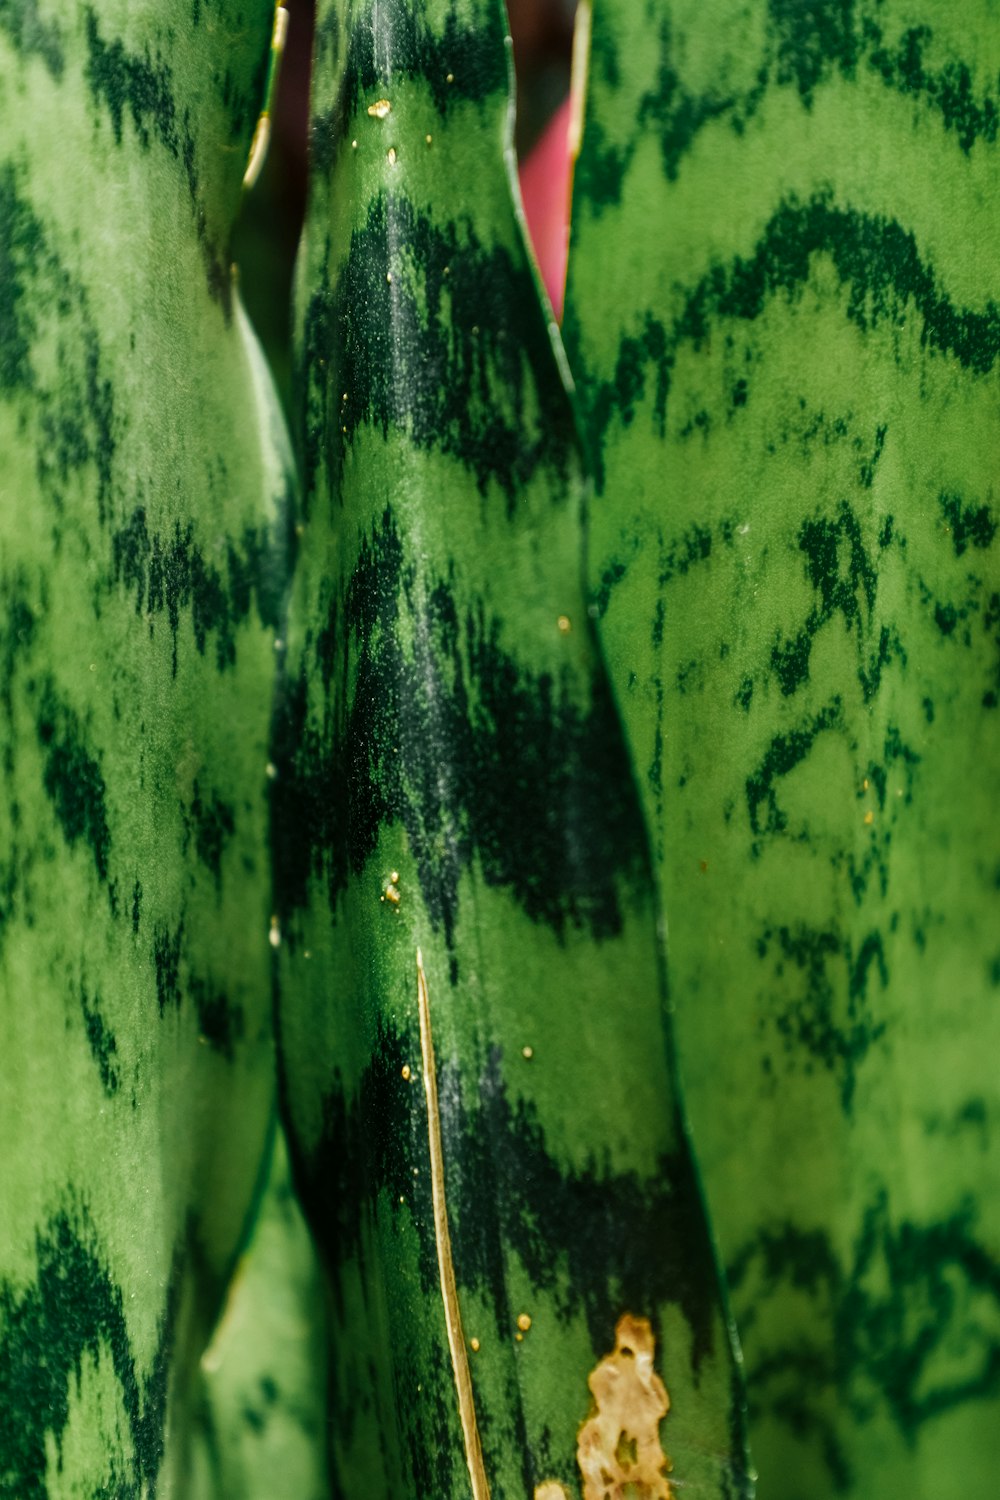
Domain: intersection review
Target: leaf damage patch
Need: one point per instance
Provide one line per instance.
(618, 1450)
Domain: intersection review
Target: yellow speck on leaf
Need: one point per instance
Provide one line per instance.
(869, 817)
(379, 109)
(523, 1322)
(550, 1490)
(405, 1072)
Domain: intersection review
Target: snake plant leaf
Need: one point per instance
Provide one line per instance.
(143, 490)
(782, 319)
(261, 1417)
(474, 1055)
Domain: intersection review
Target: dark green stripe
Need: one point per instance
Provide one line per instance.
(507, 1191)
(478, 757)
(171, 575)
(451, 334)
(808, 42)
(892, 1319)
(877, 262)
(31, 35)
(74, 1310)
(464, 61)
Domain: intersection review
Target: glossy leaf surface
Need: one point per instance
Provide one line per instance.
(474, 1051)
(783, 323)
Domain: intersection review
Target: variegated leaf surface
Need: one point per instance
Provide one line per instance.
(475, 1058)
(143, 495)
(783, 321)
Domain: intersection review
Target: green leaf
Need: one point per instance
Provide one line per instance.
(262, 1413)
(782, 321)
(144, 481)
(474, 1048)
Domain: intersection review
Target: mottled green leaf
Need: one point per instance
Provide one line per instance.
(475, 1056)
(143, 490)
(783, 322)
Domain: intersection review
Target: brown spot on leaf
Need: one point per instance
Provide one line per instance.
(619, 1450)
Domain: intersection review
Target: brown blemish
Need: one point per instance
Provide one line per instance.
(618, 1449)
